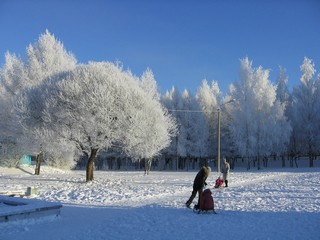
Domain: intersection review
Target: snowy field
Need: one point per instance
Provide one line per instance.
(283, 204)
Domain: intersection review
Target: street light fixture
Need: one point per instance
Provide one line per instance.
(219, 130)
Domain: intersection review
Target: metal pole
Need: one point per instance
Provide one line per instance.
(219, 138)
(218, 150)
(218, 160)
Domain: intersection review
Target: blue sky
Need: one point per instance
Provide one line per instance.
(182, 41)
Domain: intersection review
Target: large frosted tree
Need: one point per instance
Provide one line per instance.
(306, 105)
(98, 106)
(149, 85)
(44, 58)
(259, 127)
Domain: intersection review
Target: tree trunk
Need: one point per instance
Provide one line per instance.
(258, 163)
(232, 163)
(295, 160)
(147, 165)
(311, 160)
(90, 165)
(38, 163)
(248, 163)
(283, 159)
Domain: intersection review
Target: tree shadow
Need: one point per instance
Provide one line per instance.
(25, 171)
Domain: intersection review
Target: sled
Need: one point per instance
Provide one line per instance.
(206, 203)
(199, 211)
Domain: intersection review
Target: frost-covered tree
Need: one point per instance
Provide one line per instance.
(306, 111)
(155, 124)
(13, 75)
(10, 86)
(44, 58)
(284, 97)
(211, 102)
(98, 106)
(317, 106)
(149, 84)
(172, 101)
(12, 82)
(259, 126)
(191, 141)
(209, 98)
(214, 107)
(195, 127)
(283, 94)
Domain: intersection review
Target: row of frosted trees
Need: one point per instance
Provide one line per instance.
(65, 111)
(259, 120)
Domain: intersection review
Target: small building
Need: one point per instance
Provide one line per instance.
(26, 159)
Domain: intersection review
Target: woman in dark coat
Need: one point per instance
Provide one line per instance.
(198, 184)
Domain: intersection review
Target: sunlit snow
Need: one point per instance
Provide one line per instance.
(277, 204)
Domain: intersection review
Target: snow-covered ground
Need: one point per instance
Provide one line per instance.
(277, 204)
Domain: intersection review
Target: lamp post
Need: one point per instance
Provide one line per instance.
(219, 130)
(218, 160)
(219, 138)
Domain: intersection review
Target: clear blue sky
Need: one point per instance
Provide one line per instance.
(182, 41)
